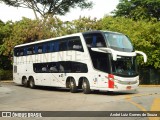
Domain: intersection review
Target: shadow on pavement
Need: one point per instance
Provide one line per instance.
(96, 92)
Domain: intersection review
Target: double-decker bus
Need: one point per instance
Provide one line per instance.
(95, 60)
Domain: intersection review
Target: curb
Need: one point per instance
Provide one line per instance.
(149, 85)
(8, 81)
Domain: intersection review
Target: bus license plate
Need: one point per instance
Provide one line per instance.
(128, 87)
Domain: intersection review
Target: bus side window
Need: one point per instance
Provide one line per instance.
(25, 51)
(75, 44)
(63, 45)
(37, 67)
(44, 69)
(88, 40)
(94, 40)
(16, 52)
(21, 52)
(40, 49)
(61, 68)
(79, 67)
(30, 51)
(51, 46)
(44, 50)
(100, 41)
(53, 68)
(54, 46)
(47, 48)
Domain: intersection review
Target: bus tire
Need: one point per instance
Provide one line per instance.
(86, 87)
(73, 87)
(25, 82)
(31, 83)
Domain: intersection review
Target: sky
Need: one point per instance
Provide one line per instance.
(100, 8)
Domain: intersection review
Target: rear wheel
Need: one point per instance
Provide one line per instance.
(86, 87)
(31, 83)
(25, 81)
(73, 87)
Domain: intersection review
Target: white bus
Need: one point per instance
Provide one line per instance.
(95, 60)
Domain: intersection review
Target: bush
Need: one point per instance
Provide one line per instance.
(6, 74)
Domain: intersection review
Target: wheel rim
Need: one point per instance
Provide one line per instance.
(71, 84)
(31, 83)
(84, 85)
(25, 81)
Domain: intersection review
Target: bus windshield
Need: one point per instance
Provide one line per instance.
(125, 67)
(118, 42)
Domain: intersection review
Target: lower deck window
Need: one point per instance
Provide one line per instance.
(60, 67)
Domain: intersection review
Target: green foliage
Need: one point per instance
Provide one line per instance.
(6, 74)
(138, 9)
(86, 24)
(28, 30)
(145, 36)
(49, 7)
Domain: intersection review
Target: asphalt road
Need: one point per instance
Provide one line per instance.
(18, 98)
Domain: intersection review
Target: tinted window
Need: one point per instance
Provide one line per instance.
(30, 50)
(19, 51)
(70, 43)
(75, 44)
(40, 49)
(60, 67)
(94, 40)
(16, 52)
(63, 45)
(100, 61)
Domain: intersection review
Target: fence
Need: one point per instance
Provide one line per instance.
(149, 76)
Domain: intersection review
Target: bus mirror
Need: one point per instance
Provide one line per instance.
(143, 54)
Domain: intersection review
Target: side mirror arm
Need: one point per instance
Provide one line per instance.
(143, 54)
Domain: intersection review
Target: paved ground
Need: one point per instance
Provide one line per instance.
(18, 98)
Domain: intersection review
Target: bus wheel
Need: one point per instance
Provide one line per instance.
(73, 87)
(31, 83)
(25, 82)
(86, 87)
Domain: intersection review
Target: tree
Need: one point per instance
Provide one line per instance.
(144, 35)
(138, 9)
(28, 30)
(49, 7)
(86, 24)
(5, 30)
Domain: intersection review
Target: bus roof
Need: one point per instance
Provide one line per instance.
(66, 36)
(47, 40)
(100, 31)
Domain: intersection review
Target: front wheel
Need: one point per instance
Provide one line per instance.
(86, 87)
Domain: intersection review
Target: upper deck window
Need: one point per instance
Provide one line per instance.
(118, 42)
(94, 40)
